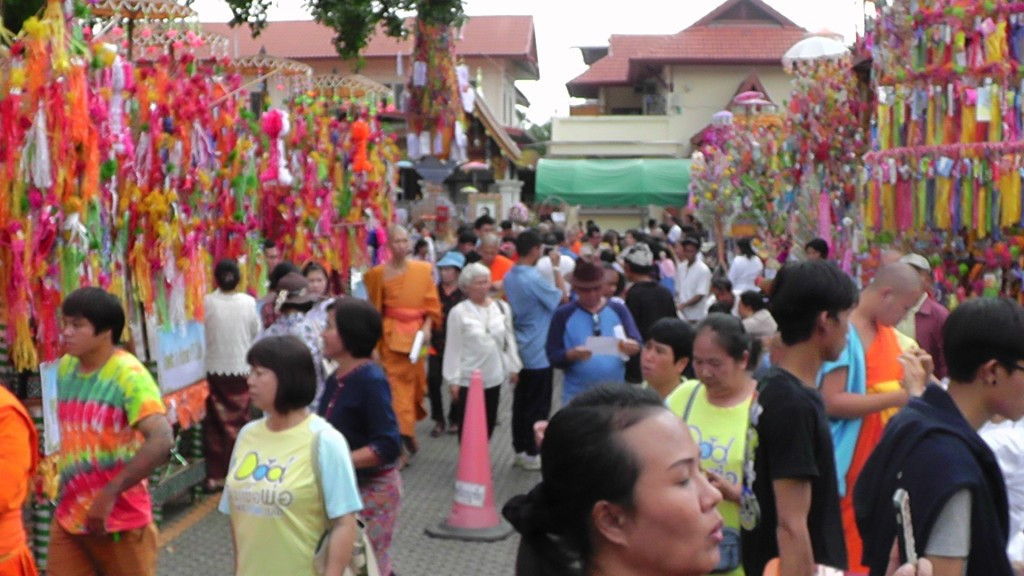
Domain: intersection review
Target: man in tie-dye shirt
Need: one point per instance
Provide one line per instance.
(107, 403)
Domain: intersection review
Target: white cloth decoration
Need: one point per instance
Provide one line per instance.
(412, 146)
(419, 73)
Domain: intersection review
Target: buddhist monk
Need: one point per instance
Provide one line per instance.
(403, 290)
(18, 459)
(869, 382)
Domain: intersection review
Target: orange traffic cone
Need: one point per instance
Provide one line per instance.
(473, 515)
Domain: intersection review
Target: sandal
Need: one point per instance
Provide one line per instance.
(437, 431)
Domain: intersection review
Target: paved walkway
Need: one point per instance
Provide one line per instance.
(204, 547)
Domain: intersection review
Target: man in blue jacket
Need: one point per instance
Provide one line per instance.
(931, 449)
(591, 315)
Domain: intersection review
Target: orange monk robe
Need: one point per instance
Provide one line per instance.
(883, 374)
(500, 267)
(18, 459)
(405, 302)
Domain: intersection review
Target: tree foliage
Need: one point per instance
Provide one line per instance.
(15, 12)
(355, 20)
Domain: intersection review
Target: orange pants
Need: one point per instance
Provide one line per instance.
(130, 553)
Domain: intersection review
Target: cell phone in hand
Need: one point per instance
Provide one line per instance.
(904, 526)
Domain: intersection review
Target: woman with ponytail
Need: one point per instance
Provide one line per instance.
(622, 493)
(757, 320)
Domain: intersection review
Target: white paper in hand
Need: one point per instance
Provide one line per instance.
(603, 346)
(417, 347)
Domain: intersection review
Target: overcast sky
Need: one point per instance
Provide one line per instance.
(562, 25)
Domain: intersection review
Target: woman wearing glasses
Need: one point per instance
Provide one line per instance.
(717, 409)
(480, 337)
(573, 344)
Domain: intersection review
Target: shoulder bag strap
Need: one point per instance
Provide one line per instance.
(317, 475)
(504, 315)
(689, 403)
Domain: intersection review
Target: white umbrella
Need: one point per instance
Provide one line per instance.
(815, 48)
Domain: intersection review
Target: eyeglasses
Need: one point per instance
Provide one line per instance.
(1012, 366)
(597, 324)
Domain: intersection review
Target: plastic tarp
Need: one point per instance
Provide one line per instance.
(614, 182)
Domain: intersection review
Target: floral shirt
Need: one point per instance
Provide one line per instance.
(300, 325)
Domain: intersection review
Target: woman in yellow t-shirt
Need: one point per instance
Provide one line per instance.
(291, 476)
(716, 407)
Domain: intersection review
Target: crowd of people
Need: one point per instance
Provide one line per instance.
(714, 418)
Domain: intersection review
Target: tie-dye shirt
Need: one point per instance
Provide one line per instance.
(97, 412)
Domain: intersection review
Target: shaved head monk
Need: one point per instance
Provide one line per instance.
(877, 374)
(403, 290)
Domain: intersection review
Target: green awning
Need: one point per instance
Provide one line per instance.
(596, 182)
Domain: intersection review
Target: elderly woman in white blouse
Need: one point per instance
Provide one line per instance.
(480, 337)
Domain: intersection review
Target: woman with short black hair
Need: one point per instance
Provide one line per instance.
(291, 474)
(357, 402)
(231, 324)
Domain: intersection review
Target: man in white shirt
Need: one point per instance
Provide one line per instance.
(675, 231)
(554, 259)
(693, 281)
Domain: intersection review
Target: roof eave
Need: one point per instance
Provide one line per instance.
(584, 90)
(716, 60)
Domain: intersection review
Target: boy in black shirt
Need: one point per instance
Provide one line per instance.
(794, 481)
(647, 300)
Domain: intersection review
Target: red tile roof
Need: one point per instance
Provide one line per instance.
(614, 68)
(509, 37)
(735, 44)
(721, 37)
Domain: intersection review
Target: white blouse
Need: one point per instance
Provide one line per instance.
(232, 324)
(480, 338)
(744, 272)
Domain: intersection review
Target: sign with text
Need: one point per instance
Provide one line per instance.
(181, 355)
(51, 419)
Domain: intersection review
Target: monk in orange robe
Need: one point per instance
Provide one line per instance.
(19, 456)
(491, 257)
(403, 290)
(877, 374)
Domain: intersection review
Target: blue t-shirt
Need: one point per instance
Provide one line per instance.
(570, 327)
(533, 301)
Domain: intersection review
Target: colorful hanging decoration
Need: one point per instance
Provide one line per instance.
(825, 144)
(349, 176)
(948, 141)
(437, 122)
(737, 174)
(135, 174)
